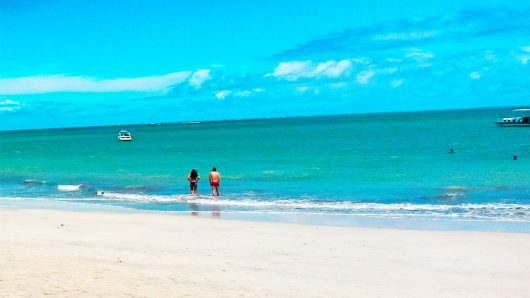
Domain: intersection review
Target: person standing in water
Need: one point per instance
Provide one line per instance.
(193, 178)
(215, 180)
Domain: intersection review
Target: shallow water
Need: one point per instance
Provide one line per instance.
(379, 165)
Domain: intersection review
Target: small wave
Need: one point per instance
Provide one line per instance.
(143, 197)
(452, 195)
(455, 188)
(68, 187)
(453, 192)
(33, 181)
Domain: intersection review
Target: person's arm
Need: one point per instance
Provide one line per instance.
(189, 178)
(198, 178)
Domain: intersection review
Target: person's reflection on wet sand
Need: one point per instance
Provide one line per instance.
(216, 211)
(194, 209)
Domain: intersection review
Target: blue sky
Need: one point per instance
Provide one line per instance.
(81, 63)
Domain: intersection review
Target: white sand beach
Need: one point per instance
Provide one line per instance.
(91, 254)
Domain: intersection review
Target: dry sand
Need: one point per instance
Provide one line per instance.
(76, 254)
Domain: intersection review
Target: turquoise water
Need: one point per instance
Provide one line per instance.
(378, 165)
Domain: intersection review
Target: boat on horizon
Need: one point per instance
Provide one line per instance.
(519, 118)
(124, 135)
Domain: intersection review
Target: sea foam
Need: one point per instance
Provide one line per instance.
(67, 187)
(487, 211)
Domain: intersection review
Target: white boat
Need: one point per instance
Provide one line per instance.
(520, 118)
(124, 135)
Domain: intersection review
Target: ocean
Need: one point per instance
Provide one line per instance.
(376, 166)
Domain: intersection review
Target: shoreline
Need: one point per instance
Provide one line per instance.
(417, 223)
(65, 253)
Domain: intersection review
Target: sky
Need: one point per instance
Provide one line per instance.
(87, 63)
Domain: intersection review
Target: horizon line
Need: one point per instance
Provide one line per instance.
(191, 122)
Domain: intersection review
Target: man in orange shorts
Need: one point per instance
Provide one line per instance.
(215, 180)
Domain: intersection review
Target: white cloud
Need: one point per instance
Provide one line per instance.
(223, 94)
(338, 85)
(524, 57)
(295, 70)
(474, 75)
(419, 55)
(60, 83)
(243, 93)
(302, 89)
(364, 77)
(199, 77)
(396, 83)
(240, 93)
(307, 90)
(8, 105)
(332, 69)
(422, 58)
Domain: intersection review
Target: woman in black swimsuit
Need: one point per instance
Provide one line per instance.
(193, 178)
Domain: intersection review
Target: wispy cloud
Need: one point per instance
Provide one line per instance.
(417, 54)
(525, 57)
(63, 83)
(338, 85)
(406, 35)
(199, 77)
(364, 77)
(222, 94)
(295, 70)
(422, 58)
(243, 93)
(302, 89)
(453, 28)
(396, 83)
(238, 93)
(307, 90)
(475, 75)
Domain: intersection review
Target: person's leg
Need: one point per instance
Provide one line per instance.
(217, 190)
(213, 190)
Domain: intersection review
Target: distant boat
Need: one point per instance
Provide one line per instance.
(124, 135)
(520, 118)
